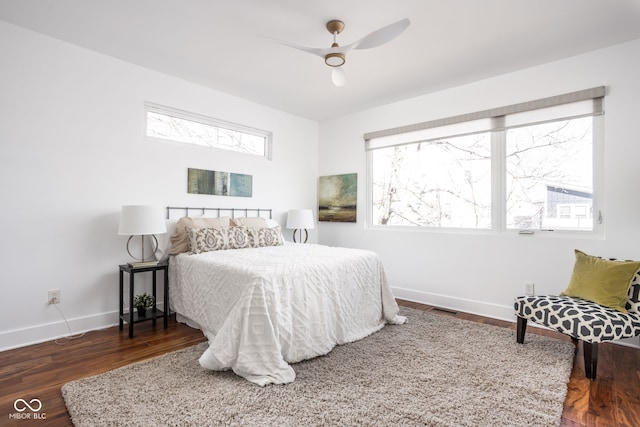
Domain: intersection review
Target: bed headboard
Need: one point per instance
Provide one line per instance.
(175, 211)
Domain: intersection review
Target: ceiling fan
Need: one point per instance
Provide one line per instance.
(335, 56)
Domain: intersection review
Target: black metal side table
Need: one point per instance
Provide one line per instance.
(132, 316)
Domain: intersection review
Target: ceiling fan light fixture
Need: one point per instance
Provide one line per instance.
(334, 59)
(335, 56)
(338, 77)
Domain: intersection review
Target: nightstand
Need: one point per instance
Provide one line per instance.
(132, 316)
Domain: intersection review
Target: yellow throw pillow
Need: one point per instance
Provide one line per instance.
(602, 281)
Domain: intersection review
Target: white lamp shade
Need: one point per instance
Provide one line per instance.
(141, 220)
(300, 218)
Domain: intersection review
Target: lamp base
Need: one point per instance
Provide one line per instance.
(144, 261)
(306, 235)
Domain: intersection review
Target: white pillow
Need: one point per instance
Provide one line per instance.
(272, 223)
(164, 240)
(251, 222)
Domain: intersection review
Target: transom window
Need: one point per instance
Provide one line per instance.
(175, 125)
(522, 167)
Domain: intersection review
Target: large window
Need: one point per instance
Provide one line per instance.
(175, 125)
(549, 175)
(442, 183)
(522, 167)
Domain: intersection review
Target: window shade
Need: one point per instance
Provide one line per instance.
(575, 104)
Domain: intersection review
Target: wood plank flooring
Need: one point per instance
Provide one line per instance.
(38, 371)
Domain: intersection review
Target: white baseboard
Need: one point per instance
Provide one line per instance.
(479, 308)
(50, 331)
(47, 332)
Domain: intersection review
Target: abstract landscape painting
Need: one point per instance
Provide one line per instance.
(337, 196)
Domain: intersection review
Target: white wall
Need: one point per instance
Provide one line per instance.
(73, 152)
(482, 273)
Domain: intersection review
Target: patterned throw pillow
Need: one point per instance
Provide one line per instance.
(206, 239)
(269, 237)
(180, 239)
(238, 238)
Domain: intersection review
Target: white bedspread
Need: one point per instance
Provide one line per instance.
(264, 308)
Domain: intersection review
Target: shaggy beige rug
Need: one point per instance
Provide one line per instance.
(434, 371)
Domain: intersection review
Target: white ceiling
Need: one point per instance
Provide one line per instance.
(214, 42)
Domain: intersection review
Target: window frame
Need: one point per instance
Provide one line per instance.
(150, 107)
(498, 188)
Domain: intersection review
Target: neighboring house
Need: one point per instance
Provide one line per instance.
(568, 207)
(559, 206)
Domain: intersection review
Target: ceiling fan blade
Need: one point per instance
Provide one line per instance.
(312, 50)
(338, 77)
(381, 36)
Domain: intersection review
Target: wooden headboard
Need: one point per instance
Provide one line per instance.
(174, 211)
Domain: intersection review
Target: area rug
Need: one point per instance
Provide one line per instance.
(434, 370)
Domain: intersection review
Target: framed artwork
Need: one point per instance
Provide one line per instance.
(201, 181)
(241, 185)
(337, 197)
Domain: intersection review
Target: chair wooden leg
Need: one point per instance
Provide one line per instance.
(522, 328)
(590, 351)
(575, 342)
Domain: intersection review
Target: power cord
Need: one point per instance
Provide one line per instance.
(68, 337)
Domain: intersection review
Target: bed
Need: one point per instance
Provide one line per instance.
(270, 303)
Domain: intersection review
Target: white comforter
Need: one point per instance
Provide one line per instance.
(264, 308)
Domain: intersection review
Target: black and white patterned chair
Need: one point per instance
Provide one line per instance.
(582, 320)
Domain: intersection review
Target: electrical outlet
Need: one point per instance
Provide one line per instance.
(529, 289)
(54, 296)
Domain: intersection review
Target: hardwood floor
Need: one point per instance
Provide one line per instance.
(39, 371)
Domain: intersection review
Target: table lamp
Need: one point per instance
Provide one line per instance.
(300, 219)
(142, 221)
